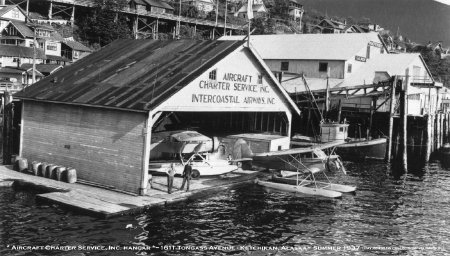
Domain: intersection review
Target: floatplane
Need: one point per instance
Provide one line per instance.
(303, 176)
(188, 146)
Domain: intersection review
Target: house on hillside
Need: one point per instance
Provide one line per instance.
(137, 5)
(10, 12)
(372, 27)
(258, 7)
(100, 114)
(14, 55)
(295, 10)
(330, 26)
(73, 50)
(47, 38)
(20, 76)
(155, 6)
(203, 6)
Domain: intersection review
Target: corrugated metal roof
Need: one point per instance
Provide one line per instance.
(11, 70)
(20, 51)
(160, 4)
(309, 46)
(76, 45)
(23, 28)
(131, 74)
(57, 58)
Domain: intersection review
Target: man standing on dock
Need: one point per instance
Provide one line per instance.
(170, 176)
(187, 174)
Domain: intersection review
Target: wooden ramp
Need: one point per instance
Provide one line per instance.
(105, 203)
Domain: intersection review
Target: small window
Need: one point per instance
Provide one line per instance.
(213, 74)
(323, 66)
(349, 68)
(52, 47)
(260, 79)
(368, 52)
(15, 14)
(284, 65)
(341, 129)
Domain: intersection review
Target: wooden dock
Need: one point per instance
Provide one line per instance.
(106, 203)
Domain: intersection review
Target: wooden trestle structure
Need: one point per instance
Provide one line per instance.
(146, 24)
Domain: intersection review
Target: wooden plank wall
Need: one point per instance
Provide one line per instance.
(104, 146)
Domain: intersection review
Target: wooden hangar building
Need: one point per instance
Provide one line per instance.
(98, 115)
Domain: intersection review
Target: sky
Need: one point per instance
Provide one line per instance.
(447, 2)
(419, 20)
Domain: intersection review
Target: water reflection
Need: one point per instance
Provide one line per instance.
(389, 210)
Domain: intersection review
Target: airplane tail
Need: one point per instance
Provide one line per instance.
(241, 150)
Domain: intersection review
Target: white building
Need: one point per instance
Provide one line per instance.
(316, 55)
(258, 8)
(22, 34)
(344, 61)
(204, 6)
(10, 12)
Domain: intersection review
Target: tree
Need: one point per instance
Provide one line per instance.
(187, 10)
(104, 23)
(439, 68)
(350, 20)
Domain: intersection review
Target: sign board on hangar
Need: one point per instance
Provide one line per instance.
(236, 83)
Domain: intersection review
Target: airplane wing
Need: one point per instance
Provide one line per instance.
(292, 151)
(329, 144)
(241, 159)
(295, 151)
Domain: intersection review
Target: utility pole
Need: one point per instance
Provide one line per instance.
(178, 23)
(225, 24)
(34, 56)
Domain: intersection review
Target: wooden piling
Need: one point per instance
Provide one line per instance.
(339, 111)
(433, 125)
(7, 132)
(442, 131)
(404, 118)
(438, 131)
(448, 128)
(391, 121)
(428, 138)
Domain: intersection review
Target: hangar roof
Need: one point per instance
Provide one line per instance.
(130, 74)
(134, 74)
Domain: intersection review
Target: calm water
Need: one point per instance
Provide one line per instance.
(408, 215)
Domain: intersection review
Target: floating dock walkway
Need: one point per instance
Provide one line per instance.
(106, 203)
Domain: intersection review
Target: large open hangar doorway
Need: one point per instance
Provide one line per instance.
(225, 123)
(221, 128)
